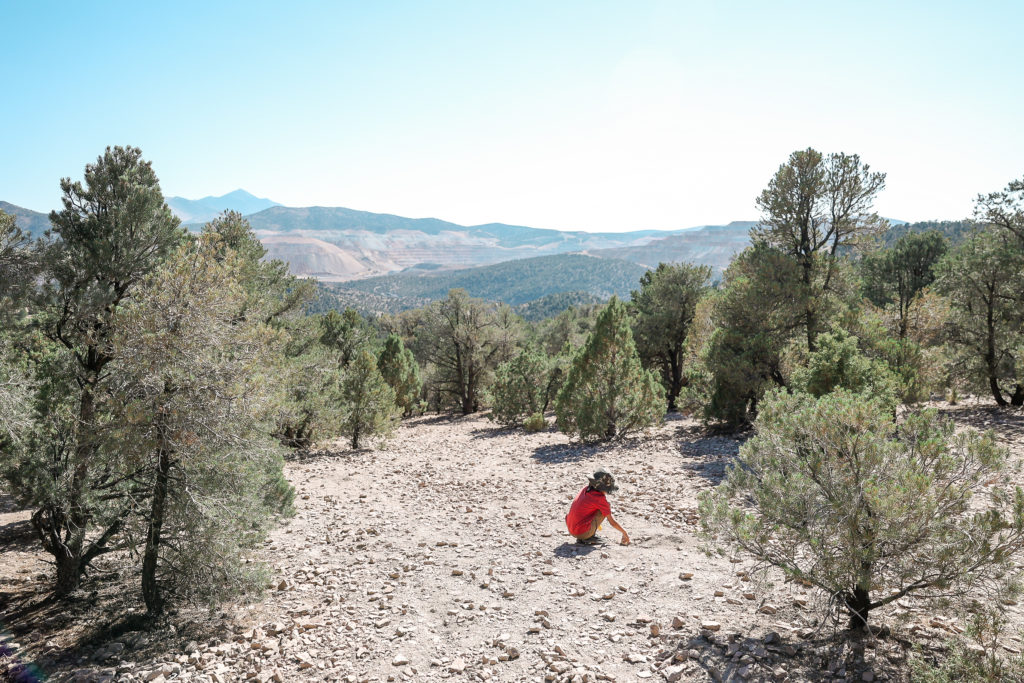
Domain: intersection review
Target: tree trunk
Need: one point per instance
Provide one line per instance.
(675, 380)
(859, 604)
(68, 553)
(150, 589)
(990, 352)
(1018, 396)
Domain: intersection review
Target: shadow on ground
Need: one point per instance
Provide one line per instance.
(573, 549)
(738, 657)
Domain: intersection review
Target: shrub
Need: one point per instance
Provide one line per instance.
(535, 423)
(831, 491)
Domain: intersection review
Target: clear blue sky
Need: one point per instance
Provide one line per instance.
(566, 114)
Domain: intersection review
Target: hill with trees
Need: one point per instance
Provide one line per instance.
(512, 282)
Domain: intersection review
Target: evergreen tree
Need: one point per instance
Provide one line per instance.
(192, 388)
(347, 333)
(755, 315)
(664, 308)
(814, 206)
(897, 275)
(399, 369)
(368, 401)
(982, 278)
(112, 232)
(607, 392)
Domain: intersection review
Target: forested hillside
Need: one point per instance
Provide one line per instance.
(512, 282)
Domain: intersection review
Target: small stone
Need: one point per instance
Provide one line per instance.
(686, 576)
(768, 609)
(399, 660)
(655, 630)
(710, 626)
(458, 665)
(677, 622)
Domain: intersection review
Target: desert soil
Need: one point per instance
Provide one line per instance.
(444, 555)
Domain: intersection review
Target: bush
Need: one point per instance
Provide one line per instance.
(535, 423)
(837, 363)
(831, 491)
(520, 387)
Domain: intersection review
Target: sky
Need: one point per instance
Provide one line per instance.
(574, 115)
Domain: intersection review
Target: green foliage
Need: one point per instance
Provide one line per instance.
(112, 232)
(982, 663)
(346, 333)
(896, 276)
(513, 282)
(754, 316)
(955, 232)
(663, 312)
(399, 369)
(462, 340)
(1004, 209)
(837, 363)
(191, 392)
(813, 207)
(522, 387)
(369, 401)
(982, 279)
(607, 392)
(835, 493)
(535, 423)
(550, 305)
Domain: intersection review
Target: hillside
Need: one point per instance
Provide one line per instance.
(32, 222)
(387, 243)
(711, 245)
(512, 282)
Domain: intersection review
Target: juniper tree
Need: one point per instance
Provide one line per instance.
(608, 393)
(399, 369)
(522, 387)
(191, 389)
(754, 316)
(664, 307)
(369, 403)
(112, 232)
(834, 493)
(1004, 209)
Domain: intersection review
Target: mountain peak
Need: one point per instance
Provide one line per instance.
(208, 208)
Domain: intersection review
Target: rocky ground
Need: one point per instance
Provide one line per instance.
(444, 555)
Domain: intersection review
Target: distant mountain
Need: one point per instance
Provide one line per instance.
(32, 222)
(513, 282)
(711, 245)
(194, 211)
(388, 243)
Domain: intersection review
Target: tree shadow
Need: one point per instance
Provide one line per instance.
(738, 656)
(494, 432)
(567, 452)
(708, 456)
(1008, 423)
(18, 536)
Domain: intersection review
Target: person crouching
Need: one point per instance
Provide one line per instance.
(591, 508)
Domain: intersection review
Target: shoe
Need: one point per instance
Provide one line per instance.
(593, 540)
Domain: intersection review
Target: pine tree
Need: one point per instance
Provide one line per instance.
(400, 371)
(369, 402)
(608, 393)
(112, 232)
